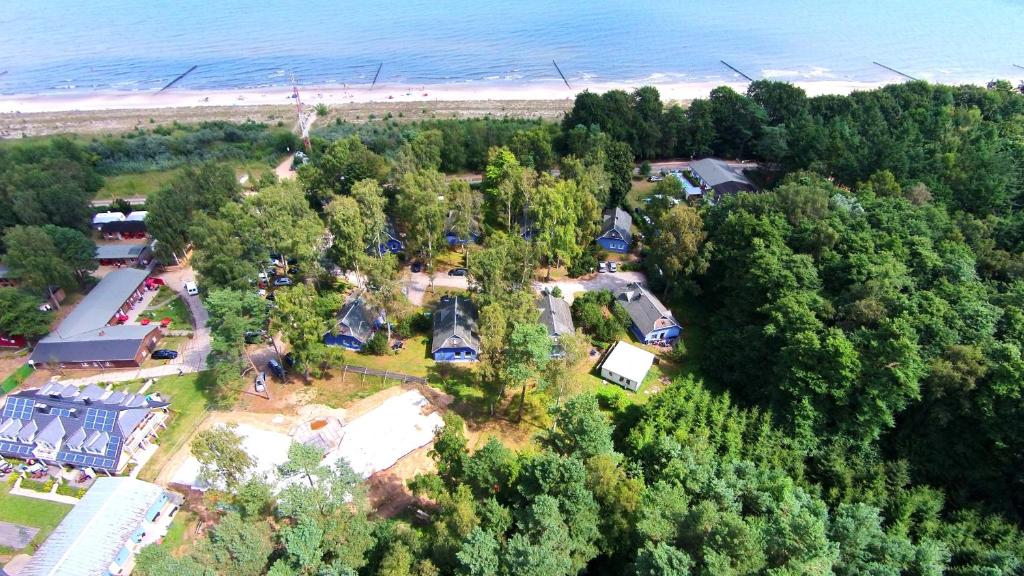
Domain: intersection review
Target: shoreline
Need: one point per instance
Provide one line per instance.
(382, 93)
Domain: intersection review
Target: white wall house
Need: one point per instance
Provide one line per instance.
(627, 365)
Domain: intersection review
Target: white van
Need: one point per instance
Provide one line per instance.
(191, 289)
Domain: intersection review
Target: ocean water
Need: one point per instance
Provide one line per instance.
(76, 46)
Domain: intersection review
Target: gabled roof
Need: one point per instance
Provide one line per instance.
(119, 227)
(106, 344)
(555, 314)
(137, 216)
(100, 305)
(628, 361)
(720, 176)
(455, 325)
(104, 217)
(119, 251)
(93, 533)
(643, 307)
(356, 319)
(618, 220)
(88, 430)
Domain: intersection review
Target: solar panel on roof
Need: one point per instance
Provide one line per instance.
(97, 419)
(18, 449)
(19, 408)
(66, 412)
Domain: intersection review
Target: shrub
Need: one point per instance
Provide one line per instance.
(556, 291)
(612, 399)
(378, 345)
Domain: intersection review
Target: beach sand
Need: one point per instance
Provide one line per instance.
(109, 112)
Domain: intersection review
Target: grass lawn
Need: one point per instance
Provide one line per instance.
(254, 169)
(189, 398)
(172, 307)
(12, 381)
(177, 532)
(41, 514)
(134, 185)
(640, 190)
(412, 359)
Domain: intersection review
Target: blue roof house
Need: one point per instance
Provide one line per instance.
(651, 321)
(356, 325)
(453, 238)
(455, 332)
(615, 232)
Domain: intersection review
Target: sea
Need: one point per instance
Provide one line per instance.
(82, 46)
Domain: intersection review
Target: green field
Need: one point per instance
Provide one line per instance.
(189, 400)
(33, 512)
(137, 185)
(12, 381)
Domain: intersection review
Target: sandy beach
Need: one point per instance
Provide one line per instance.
(109, 112)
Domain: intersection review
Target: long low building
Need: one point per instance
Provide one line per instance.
(123, 254)
(91, 335)
(101, 535)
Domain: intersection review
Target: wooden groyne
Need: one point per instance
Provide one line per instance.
(562, 75)
(893, 70)
(736, 70)
(176, 80)
(1019, 66)
(374, 83)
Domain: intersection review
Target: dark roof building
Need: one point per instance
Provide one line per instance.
(717, 175)
(90, 337)
(122, 253)
(356, 324)
(455, 330)
(556, 315)
(92, 426)
(651, 320)
(616, 234)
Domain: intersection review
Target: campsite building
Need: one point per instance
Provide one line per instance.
(102, 534)
(717, 178)
(123, 254)
(455, 331)
(616, 234)
(650, 320)
(390, 243)
(92, 335)
(626, 365)
(556, 316)
(84, 427)
(356, 325)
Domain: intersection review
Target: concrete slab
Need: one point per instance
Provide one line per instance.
(16, 536)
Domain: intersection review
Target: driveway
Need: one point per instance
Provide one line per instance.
(597, 281)
(416, 285)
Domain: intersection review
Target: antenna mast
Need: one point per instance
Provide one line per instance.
(304, 119)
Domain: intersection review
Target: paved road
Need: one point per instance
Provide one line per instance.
(418, 284)
(596, 281)
(134, 201)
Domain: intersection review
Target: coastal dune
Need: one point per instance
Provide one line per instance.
(112, 112)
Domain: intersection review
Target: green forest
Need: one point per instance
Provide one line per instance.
(856, 403)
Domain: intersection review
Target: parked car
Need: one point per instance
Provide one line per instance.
(613, 267)
(416, 267)
(654, 178)
(275, 367)
(164, 354)
(602, 266)
(261, 382)
(253, 337)
(289, 360)
(191, 288)
(5, 466)
(283, 281)
(458, 272)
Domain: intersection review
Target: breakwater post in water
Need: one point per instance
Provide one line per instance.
(374, 83)
(1017, 65)
(562, 75)
(893, 70)
(175, 81)
(733, 68)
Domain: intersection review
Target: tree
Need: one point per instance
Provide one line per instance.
(304, 317)
(286, 225)
(76, 249)
(346, 162)
(529, 350)
(580, 429)
(224, 463)
(680, 253)
(662, 559)
(464, 211)
(422, 213)
(20, 315)
(33, 258)
(171, 211)
(348, 231)
(156, 560)
(236, 546)
(504, 183)
(228, 252)
(555, 217)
